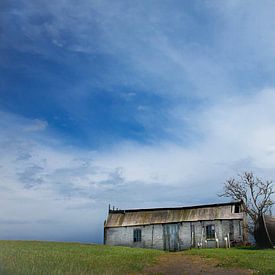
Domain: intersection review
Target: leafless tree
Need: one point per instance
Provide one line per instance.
(255, 193)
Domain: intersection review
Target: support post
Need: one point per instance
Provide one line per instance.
(228, 240)
(226, 244)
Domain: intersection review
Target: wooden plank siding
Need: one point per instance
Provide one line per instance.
(175, 229)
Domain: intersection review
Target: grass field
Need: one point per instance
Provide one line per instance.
(22, 257)
(27, 257)
(261, 261)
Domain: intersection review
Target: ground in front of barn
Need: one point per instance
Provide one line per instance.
(180, 263)
(35, 257)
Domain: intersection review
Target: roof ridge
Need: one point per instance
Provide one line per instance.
(173, 208)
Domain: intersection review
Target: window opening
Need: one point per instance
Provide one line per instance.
(210, 231)
(237, 208)
(137, 235)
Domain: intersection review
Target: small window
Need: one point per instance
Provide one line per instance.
(237, 208)
(210, 231)
(137, 235)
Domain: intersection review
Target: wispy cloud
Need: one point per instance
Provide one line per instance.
(236, 135)
(152, 103)
(37, 125)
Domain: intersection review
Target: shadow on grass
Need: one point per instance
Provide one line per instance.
(251, 248)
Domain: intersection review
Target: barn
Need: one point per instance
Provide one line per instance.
(264, 231)
(174, 229)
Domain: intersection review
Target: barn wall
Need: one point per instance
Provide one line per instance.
(185, 235)
(222, 228)
(153, 235)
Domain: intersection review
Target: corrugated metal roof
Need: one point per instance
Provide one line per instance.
(135, 217)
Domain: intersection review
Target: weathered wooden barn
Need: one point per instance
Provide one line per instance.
(173, 229)
(264, 232)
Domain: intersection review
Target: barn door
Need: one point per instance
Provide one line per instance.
(171, 237)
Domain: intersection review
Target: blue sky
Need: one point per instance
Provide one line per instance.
(132, 103)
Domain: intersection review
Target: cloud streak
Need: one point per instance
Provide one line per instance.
(236, 135)
(150, 104)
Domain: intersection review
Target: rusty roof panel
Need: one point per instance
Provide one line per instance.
(145, 217)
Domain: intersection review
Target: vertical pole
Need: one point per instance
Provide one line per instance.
(228, 240)
(217, 241)
(153, 236)
(225, 238)
(104, 236)
(201, 237)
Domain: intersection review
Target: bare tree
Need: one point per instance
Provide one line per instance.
(255, 193)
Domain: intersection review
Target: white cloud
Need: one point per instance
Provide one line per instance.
(62, 186)
(67, 188)
(36, 125)
(171, 52)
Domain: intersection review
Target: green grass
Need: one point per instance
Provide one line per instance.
(31, 257)
(262, 261)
